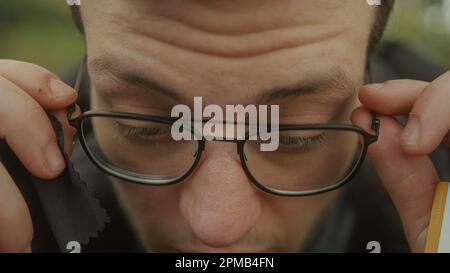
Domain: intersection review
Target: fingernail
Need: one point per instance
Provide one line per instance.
(54, 158)
(411, 134)
(60, 89)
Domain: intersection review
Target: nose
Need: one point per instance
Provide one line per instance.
(219, 202)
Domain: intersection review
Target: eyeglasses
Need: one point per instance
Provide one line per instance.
(310, 159)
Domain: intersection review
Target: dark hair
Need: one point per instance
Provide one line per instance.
(375, 37)
(380, 24)
(76, 15)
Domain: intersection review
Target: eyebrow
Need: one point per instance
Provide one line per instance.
(106, 67)
(335, 79)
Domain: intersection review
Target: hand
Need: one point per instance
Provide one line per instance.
(401, 154)
(27, 91)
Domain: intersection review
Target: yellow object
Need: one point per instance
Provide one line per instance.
(438, 238)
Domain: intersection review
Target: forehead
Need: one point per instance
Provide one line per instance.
(247, 15)
(222, 44)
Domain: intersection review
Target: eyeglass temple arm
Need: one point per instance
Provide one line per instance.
(376, 123)
(73, 107)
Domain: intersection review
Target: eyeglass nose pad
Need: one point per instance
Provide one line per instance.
(245, 157)
(194, 151)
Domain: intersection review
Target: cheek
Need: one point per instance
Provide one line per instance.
(96, 102)
(151, 210)
(154, 212)
(300, 215)
(149, 201)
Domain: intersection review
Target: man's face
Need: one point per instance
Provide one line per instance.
(147, 56)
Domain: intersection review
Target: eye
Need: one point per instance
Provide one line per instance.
(143, 133)
(298, 144)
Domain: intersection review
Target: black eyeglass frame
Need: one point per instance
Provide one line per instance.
(368, 139)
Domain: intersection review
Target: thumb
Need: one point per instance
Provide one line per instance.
(409, 179)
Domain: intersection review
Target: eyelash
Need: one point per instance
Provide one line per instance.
(302, 143)
(141, 133)
(295, 144)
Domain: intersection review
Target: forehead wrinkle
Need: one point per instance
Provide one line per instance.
(237, 23)
(239, 39)
(238, 45)
(231, 17)
(222, 29)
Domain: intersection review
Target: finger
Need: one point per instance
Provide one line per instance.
(39, 83)
(27, 130)
(429, 121)
(427, 105)
(68, 131)
(410, 180)
(16, 229)
(395, 97)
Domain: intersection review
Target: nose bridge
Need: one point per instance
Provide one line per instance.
(219, 202)
(239, 143)
(225, 131)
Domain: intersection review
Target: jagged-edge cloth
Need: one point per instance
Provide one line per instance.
(72, 212)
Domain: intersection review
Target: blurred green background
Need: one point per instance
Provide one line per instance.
(42, 32)
(424, 26)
